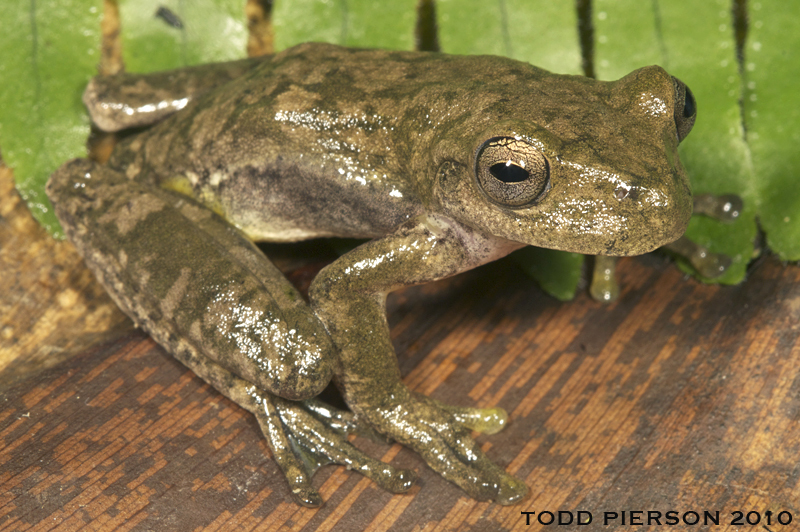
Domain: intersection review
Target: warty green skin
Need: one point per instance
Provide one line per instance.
(326, 141)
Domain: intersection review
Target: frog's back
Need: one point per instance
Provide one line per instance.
(319, 140)
(286, 152)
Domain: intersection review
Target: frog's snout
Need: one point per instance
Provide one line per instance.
(663, 216)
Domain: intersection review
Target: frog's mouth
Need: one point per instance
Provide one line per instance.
(647, 234)
(597, 212)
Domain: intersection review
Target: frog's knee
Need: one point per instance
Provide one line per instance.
(63, 180)
(72, 190)
(307, 378)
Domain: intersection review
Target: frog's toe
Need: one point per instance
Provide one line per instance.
(307, 496)
(484, 480)
(481, 478)
(319, 442)
(439, 433)
(387, 477)
(484, 420)
(296, 470)
(511, 491)
(304, 436)
(708, 264)
(402, 481)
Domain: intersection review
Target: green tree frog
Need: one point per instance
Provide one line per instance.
(445, 162)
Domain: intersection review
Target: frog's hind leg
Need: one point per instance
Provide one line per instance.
(187, 277)
(128, 100)
(211, 298)
(302, 435)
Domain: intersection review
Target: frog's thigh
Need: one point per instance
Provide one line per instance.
(129, 100)
(190, 279)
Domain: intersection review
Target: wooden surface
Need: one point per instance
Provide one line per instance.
(678, 397)
(50, 304)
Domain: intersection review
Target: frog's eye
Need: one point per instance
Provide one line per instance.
(511, 171)
(685, 109)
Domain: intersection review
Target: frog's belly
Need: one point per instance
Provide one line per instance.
(299, 205)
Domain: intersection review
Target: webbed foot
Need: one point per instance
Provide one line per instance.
(306, 435)
(303, 435)
(440, 434)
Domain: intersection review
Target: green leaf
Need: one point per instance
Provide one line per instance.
(694, 42)
(772, 119)
(185, 33)
(557, 272)
(544, 34)
(364, 23)
(48, 52)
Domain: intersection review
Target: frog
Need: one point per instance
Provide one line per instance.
(441, 162)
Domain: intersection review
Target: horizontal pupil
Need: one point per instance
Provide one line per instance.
(688, 104)
(508, 173)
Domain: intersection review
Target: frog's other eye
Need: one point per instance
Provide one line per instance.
(511, 172)
(685, 109)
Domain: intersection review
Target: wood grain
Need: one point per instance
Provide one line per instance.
(680, 396)
(46, 291)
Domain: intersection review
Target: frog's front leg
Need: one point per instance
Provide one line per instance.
(349, 296)
(128, 100)
(212, 299)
